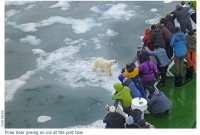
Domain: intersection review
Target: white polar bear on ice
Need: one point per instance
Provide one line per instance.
(103, 64)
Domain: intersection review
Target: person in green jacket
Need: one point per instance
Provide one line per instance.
(123, 94)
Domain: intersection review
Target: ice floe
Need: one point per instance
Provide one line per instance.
(154, 20)
(96, 41)
(11, 13)
(43, 119)
(18, 3)
(110, 32)
(118, 11)
(29, 7)
(154, 10)
(31, 40)
(69, 68)
(63, 5)
(168, 1)
(12, 85)
(79, 26)
(114, 11)
(95, 9)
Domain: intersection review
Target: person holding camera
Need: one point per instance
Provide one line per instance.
(113, 119)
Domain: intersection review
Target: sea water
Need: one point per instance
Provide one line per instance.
(49, 51)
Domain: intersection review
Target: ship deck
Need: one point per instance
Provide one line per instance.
(183, 111)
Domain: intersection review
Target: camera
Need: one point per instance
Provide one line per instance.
(107, 107)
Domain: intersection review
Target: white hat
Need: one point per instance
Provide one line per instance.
(112, 109)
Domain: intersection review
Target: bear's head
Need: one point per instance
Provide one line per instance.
(112, 62)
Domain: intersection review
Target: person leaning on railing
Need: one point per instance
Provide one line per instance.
(113, 119)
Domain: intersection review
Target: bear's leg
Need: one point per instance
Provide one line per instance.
(110, 72)
(107, 72)
(94, 68)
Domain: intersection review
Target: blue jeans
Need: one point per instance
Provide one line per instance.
(139, 85)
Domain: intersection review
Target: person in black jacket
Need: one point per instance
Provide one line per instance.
(183, 18)
(190, 10)
(114, 119)
(168, 22)
(156, 37)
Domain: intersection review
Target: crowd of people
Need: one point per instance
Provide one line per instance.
(163, 43)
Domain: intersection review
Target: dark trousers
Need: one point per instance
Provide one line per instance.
(149, 86)
(163, 71)
(169, 50)
(186, 25)
(193, 17)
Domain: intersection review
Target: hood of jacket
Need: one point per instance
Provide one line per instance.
(178, 7)
(179, 34)
(147, 31)
(118, 87)
(131, 74)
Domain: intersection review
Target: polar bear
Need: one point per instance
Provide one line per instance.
(103, 64)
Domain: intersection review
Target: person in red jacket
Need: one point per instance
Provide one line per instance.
(147, 37)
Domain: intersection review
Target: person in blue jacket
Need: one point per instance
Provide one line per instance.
(162, 61)
(129, 83)
(178, 42)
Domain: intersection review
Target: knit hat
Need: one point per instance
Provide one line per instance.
(158, 25)
(153, 26)
(112, 109)
(121, 77)
(168, 14)
(129, 120)
(183, 3)
(177, 29)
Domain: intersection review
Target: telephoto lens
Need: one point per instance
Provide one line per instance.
(107, 107)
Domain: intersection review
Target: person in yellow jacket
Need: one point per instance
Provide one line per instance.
(122, 94)
(131, 71)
